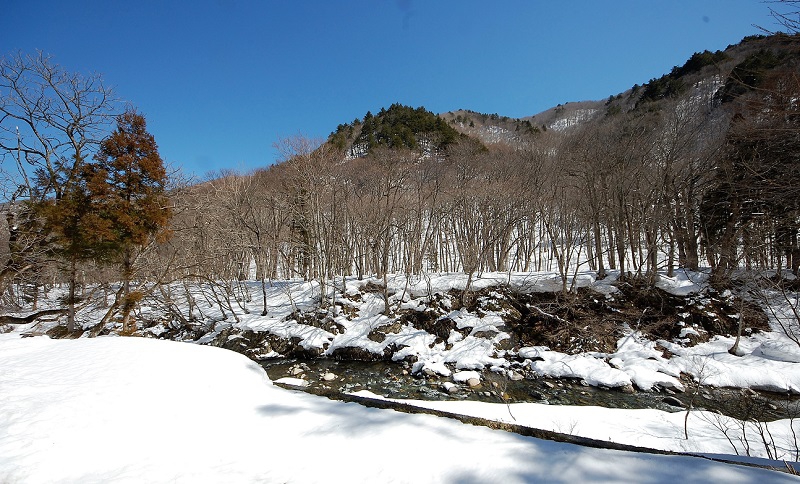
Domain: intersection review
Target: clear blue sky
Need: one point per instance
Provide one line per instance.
(221, 80)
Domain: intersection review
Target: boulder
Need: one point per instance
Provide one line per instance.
(672, 401)
(514, 376)
(450, 387)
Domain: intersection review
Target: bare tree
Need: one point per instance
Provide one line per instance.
(787, 15)
(51, 121)
(310, 186)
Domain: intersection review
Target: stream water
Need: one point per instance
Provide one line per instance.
(392, 380)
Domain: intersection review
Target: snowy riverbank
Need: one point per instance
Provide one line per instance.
(512, 325)
(140, 410)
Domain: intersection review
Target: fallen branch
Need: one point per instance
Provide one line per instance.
(6, 319)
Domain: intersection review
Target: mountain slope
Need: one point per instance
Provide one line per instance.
(712, 77)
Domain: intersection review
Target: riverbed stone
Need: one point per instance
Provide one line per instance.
(473, 382)
(376, 336)
(328, 376)
(485, 334)
(672, 401)
(514, 376)
(354, 353)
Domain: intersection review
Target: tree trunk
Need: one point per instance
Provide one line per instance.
(128, 326)
(71, 326)
(734, 350)
(264, 294)
(598, 250)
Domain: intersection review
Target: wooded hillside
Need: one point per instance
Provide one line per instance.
(697, 168)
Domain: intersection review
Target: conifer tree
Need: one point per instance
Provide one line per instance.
(128, 180)
(76, 231)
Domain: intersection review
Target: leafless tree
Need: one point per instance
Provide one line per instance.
(786, 13)
(51, 120)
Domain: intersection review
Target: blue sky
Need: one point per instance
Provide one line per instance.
(221, 80)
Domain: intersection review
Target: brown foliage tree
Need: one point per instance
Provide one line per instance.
(76, 231)
(129, 181)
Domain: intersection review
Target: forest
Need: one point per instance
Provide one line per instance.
(697, 169)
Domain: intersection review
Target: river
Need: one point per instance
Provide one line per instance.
(393, 380)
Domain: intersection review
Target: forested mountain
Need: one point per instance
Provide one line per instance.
(492, 128)
(739, 67)
(398, 127)
(697, 168)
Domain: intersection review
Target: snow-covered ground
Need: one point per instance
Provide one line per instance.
(114, 409)
(136, 409)
(708, 433)
(768, 361)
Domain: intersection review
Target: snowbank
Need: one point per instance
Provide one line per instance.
(711, 364)
(682, 283)
(140, 410)
(655, 429)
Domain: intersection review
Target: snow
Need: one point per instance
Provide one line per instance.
(593, 370)
(654, 429)
(636, 361)
(134, 409)
(779, 350)
(115, 409)
(296, 382)
(574, 119)
(533, 351)
(463, 376)
(765, 360)
(645, 365)
(711, 364)
(682, 283)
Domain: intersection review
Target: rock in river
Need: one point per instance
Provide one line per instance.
(672, 401)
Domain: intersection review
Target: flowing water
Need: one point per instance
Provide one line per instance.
(393, 380)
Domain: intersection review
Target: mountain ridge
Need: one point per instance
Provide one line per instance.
(687, 79)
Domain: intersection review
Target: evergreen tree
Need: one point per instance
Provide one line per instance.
(128, 181)
(76, 231)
